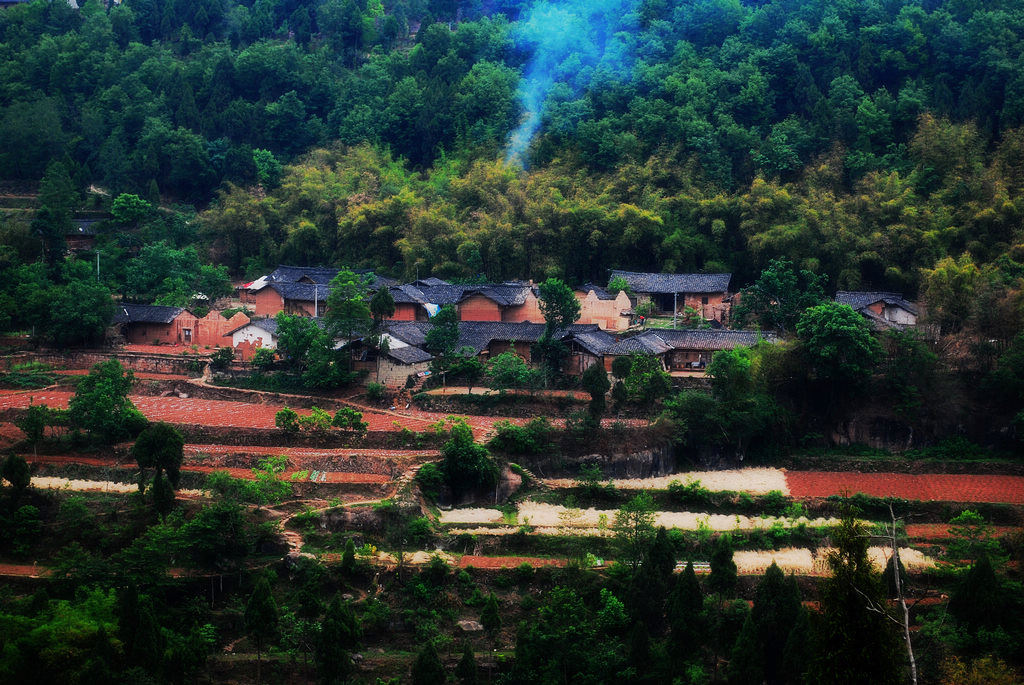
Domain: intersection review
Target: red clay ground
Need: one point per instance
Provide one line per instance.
(940, 531)
(220, 413)
(139, 375)
(331, 477)
(929, 486)
(507, 562)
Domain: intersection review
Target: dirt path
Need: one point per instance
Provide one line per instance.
(508, 562)
(924, 487)
(940, 531)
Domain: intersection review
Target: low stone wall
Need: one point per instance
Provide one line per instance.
(134, 361)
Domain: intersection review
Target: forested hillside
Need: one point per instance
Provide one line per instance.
(865, 140)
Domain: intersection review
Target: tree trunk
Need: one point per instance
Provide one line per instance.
(903, 602)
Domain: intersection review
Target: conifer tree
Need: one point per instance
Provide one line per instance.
(723, 569)
(261, 619)
(466, 671)
(428, 669)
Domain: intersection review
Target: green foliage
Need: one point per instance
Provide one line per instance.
(261, 617)
(129, 209)
(509, 370)
(646, 381)
(268, 487)
(348, 313)
(222, 358)
(268, 168)
(634, 528)
(490, 619)
(263, 359)
(594, 381)
(838, 345)
(466, 466)
(617, 285)
(723, 576)
(160, 447)
(317, 420)
(779, 296)
(534, 437)
(558, 305)
(442, 338)
(853, 616)
(374, 392)
(347, 418)
(287, 419)
(101, 406)
(427, 669)
(430, 479)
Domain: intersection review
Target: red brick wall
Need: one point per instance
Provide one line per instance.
(211, 329)
(267, 302)
(527, 311)
(479, 308)
(172, 333)
(405, 311)
(716, 308)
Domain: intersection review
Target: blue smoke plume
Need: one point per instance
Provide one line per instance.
(570, 41)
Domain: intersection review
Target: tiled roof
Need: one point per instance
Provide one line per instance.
(430, 281)
(145, 313)
(302, 292)
(410, 355)
(440, 293)
(602, 293)
(711, 338)
(674, 283)
(479, 334)
(647, 342)
(594, 342)
(861, 299)
(269, 325)
(293, 274)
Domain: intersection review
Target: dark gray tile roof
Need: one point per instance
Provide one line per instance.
(145, 313)
(862, 299)
(711, 338)
(269, 325)
(594, 342)
(293, 274)
(479, 334)
(647, 342)
(602, 293)
(430, 281)
(302, 292)
(674, 283)
(441, 293)
(410, 355)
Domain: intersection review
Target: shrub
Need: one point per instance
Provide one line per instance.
(374, 392)
(691, 493)
(318, 420)
(263, 359)
(347, 418)
(287, 420)
(222, 358)
(532, 438)
(430, 480)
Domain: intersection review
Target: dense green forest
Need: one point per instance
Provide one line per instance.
(865, 141)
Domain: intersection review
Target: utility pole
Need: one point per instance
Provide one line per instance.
(675, 308)
(97, 264)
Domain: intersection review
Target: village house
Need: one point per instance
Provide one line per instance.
(514, 301)
(146, 324)
(300, 290)
(150, 324)
(882, 310)
(705, 294)
(598, 306)
(685, 349)
(253, 335)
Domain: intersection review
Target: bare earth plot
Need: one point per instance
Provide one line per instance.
(924, 487)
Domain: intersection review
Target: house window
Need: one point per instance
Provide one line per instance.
(187, 332)
(704, 299)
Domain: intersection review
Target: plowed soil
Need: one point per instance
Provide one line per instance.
(940, 531)
(924, 487)
(507, 562)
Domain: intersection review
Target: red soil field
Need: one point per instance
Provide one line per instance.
(940, 531)
(507, 562)
(928, 486)
(216, 413)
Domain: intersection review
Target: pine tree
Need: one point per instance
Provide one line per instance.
(490, 619)
(261, 620)
(466, 671)
(428, 669)
(723, 576)
(855, 642)
(746, 665)
(686, 613)
(339, 634)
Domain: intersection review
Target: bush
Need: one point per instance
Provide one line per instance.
(532, 438)
(287, 420)
(374, 392)
(318, 420)
(263, 359)
(347, 418)
(692, 493)
(430, 480)
(222, 358)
